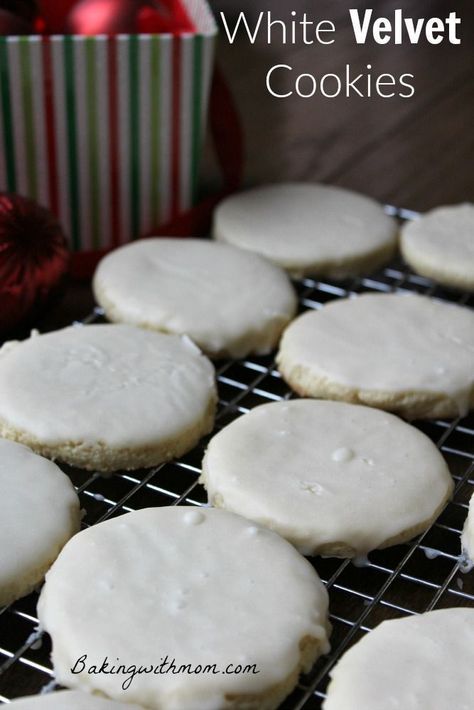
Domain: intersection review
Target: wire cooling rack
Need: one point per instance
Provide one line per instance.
(407, 579)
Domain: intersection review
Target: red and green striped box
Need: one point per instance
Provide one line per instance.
(106, 131)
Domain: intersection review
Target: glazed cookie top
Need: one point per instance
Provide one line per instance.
(300, 225)
(198, 590)
(230, 302)
(324, 474)
(441, 244)
(389, 343)
(69, 700)
(380, 668)
(103, 385)
(39, 511)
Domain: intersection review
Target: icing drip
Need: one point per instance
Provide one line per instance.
(343, 455)
(194, 517)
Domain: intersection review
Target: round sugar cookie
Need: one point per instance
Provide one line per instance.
(39, 512)
(308, 228)
(468, 532)
(106, 397)
(69, 700)
(440, 245)
(228, 301)
(412, 663)
(408, 354)
(332, 478)
(205, 591)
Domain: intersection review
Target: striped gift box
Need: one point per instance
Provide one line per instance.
(106, 131)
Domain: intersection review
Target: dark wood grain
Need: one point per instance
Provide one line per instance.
(416, 152)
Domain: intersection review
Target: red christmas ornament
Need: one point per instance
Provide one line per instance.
(54, 14)
(33, 258)
(94, 17)
(153, 21)
(11, 24)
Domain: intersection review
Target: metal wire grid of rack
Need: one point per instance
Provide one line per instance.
(408, 579)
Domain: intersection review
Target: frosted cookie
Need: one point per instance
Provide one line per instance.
(106, 397)
(229, 302)
(309, 229)
(421, 661)
(405, 353)
(198, 592)
(468, 532)
(68, 700)
(440, 245)
(39, 512)
(324, 475)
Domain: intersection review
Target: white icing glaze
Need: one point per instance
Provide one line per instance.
(68, 700)
(301, 226)
(252, 531)
(202, 595)
(385, 343)
(441, 245)
(415, 663)
(194, 517)
(35, 639)
(361, 561)
(468, 532)
(48, 688)
(39, 511)
(343, 454)
(297, 487)
(104, 385)
(466, 565)
(227, 300)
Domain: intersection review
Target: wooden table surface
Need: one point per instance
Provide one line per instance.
(415, 153)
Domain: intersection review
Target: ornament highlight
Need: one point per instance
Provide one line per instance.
(95, 17)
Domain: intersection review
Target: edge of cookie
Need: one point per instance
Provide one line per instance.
(340, 549)
(425, 267)
(336, 268)
(19, 588)
(246, 345)
(409, 405)
(100, 457)
(311, 649)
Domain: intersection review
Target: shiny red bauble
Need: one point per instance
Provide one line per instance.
(54, 14)
(34, 258)
(95, 17)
